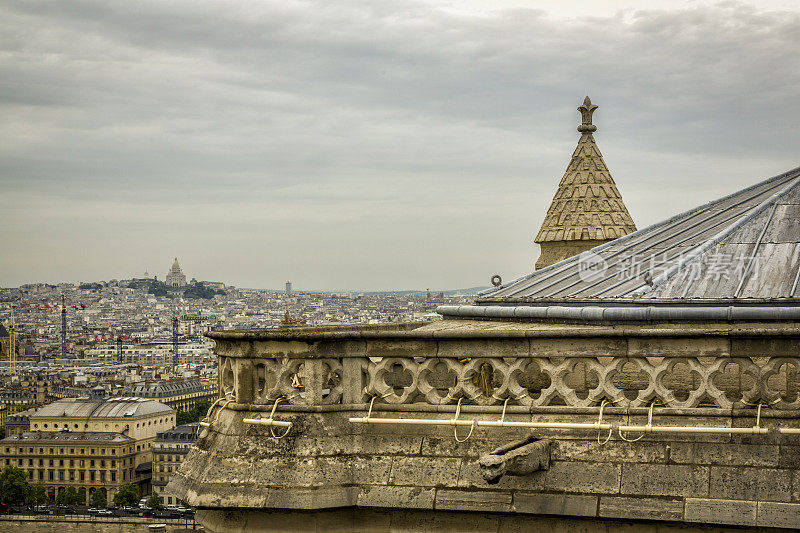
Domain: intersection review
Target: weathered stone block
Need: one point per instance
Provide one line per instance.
(577, 347)
(641, 508)
(741, 483)
(771, 514)
(613, 451)
(476, 446)
(664, 480)
(369, 470)
(425, 471)
(443, 522)
(599, 478)
(789, 457)
(732, 512)
(462, 500)
(775, 347)
(406, 348)
(675, 347)
(555, 504)
(702, 453)
(316, 498)
(396, 497)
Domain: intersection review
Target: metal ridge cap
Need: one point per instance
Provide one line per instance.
(632, 302)
(630, 312)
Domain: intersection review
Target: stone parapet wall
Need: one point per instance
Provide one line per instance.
(712, 376)
(327, 462)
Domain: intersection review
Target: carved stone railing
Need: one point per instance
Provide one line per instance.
(679, 382)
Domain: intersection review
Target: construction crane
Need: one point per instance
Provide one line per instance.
(63, 327)
(63, 306)
(120, 339)
(64, 324)
(12, 348)
(174, 343)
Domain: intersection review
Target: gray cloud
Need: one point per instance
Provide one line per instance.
(362, 144)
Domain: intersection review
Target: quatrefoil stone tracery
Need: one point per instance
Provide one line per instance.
(573, 381)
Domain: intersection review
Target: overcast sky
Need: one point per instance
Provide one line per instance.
(366, 144)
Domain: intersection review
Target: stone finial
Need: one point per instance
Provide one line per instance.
(586, 109)
(587, 209)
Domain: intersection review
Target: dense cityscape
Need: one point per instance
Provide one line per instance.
(104, 382)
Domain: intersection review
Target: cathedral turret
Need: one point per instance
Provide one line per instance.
(587, 209)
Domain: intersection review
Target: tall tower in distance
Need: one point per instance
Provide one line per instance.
(288, 288)
(175, 276)
(587, 209)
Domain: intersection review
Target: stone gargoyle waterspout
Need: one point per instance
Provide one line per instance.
(518, 458)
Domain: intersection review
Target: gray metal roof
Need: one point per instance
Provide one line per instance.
(163, 389)
(184, 432)
(105, 408)
(743, 246)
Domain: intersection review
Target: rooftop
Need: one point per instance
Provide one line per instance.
(68, 436)
(744, 246)
(161, 389)
(185, 432)
(104, 408)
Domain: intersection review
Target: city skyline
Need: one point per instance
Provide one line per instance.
(366, 147)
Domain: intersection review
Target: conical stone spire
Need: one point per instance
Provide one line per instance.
(587, 209)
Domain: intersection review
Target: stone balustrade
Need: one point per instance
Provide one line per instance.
(513, 373)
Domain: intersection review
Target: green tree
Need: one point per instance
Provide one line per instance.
(183, 417)
(127, 495)
(155, 501)
(70, 496)
(157, 288)
(37, 495)
(82, 496)
(99, 499)
(202, 408)
(14, 487)
(194, 415)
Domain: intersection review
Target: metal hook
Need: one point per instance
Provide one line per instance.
(646, 429)
(758, 418)
(272, 416)
(503, 416)
(455, 426)
(599, 425)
